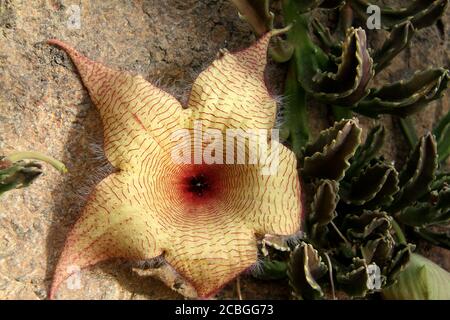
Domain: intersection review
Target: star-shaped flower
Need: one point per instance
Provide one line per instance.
(203, 218)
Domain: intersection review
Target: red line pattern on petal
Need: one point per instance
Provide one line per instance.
(233, 88)
(149, 206)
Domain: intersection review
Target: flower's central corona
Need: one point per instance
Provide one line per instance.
(198, 184)
(202, 216)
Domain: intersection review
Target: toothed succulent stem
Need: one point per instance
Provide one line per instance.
(398, 232)
(345, 17)
(442, 134)
(295, 128)
(33, 155)
(360, 204)
(409, 131)
(341, 113)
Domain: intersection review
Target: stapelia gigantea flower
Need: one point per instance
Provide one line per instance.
(204, 219)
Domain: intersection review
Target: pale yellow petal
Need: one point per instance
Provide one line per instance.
(231, 92)
(112, 225)
(132, 110)
(212, 256)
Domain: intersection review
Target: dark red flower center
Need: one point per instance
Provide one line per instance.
(198, 184)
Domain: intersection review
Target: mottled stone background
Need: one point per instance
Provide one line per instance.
(44, 107)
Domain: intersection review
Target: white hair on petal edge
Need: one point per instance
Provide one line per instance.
(257, 267)
(179, 88)
(150, 263)
(98, 169)
(96, 152)
(279, 120)
(294, 239)
(279, 99)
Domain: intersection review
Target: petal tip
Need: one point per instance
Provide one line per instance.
(60, 44)
(78, 59)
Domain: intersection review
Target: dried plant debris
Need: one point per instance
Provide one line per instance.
(20, 169)
(18, 175)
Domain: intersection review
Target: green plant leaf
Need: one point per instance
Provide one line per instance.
(305, 267)
(323, 208)
(409, 130)
(417, 174)
(341, 81)
(442, 179)
(309, 58)
(405, 97)
(421, 280)
(398, 39)
(328, 156)
(330, 45)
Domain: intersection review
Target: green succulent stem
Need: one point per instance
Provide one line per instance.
(296, 123)
(33, 155)
(295, 128)
(306, 53)
(409, 130)
(398, 232)
(442, 125)
(341, 113)
(442, 132)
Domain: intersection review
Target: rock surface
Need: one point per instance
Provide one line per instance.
(44, 107)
